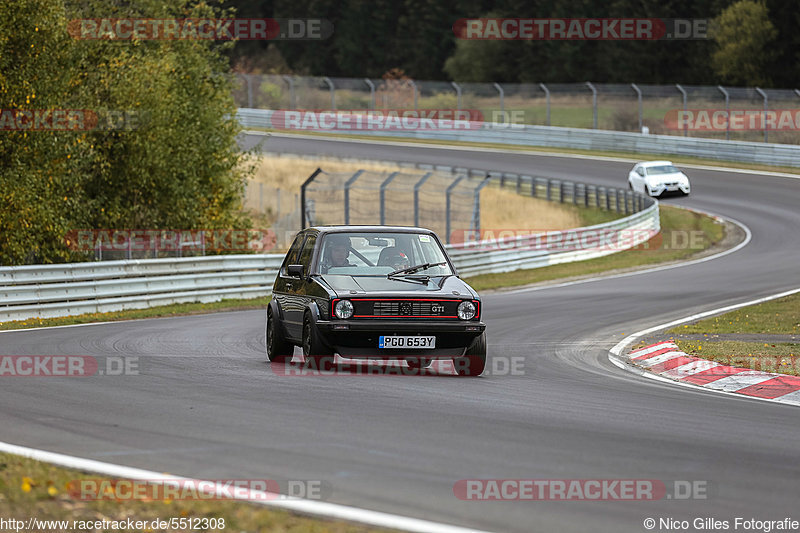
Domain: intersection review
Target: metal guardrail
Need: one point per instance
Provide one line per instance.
(507, 255)
(47, 291)
(585, 139)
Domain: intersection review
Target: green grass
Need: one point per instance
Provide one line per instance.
(31, 488)
(132, 314)
(677, 227)
(781, 316)
(779, 357)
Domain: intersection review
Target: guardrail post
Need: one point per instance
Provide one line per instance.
(457, 87)
(447, 205)
(249, 79)
(347, 185)
(476, 205)
(727, 112)
(414, 86)
(560, 192)
(547, 100)
(417, 186)
(639, 98)
(329, 83)
(385, 183)
(303, 197)
(594, 104)
(549, 185)
(292, 99)
(685, 125)
(766, 127)
(371, 92)
(502, 97)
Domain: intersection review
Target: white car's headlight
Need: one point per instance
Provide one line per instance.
(466, 310)
(343, 309)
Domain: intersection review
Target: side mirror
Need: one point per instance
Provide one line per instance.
(295, 271)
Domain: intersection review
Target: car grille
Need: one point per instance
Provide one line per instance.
(405, 308)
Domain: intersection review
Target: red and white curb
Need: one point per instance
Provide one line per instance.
(665, 359)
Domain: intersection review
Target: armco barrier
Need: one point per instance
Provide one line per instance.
(46, 291)
(495, 256)
(585, 139)
(69, 289)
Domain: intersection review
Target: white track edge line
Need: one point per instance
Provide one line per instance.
(565, 155)
(310, 507)
(616, 358)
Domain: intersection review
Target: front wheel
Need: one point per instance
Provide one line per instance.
(316, 354)
(278, 348)
(474, 360)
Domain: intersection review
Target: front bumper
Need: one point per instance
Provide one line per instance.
(359, 338)
(661, 188)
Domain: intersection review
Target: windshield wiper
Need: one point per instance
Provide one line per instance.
(415, 268)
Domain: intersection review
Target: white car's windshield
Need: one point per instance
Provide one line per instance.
(662, 169)
(380, 253)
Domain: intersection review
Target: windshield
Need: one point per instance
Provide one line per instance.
(662, 169)
(380, 253)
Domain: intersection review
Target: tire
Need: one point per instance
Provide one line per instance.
(279, 350)
(418, 362)
(317, 355)
(474, 360)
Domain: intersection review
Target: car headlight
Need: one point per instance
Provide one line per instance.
(343, 309)
(466, 310)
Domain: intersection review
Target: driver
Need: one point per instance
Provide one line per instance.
(338, 251)
(398, 261)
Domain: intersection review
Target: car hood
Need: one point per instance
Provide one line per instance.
(361, 286)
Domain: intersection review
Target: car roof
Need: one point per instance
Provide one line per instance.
(369, 229)
(654, 163)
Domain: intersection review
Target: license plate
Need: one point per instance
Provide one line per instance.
(406, 341)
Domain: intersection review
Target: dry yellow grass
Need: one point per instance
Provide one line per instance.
(500, 209)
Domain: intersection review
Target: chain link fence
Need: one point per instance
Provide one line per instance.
(447, 202)
(617, 107)
(432, 199)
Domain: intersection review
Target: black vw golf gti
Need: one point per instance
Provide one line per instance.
(375, 292)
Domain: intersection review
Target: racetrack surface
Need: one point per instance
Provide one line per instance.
(207, 405)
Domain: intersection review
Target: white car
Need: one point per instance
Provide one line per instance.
(655, 178)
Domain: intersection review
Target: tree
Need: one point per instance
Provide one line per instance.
(743, 34)
(174, 163)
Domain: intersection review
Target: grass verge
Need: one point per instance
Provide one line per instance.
(683, 234)
(780, 316)
(776, 317)
(34, 489)
(779, 357)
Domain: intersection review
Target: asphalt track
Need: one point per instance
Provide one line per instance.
(207, 405)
